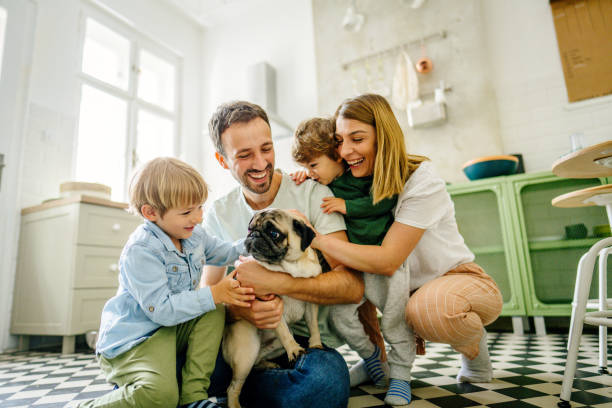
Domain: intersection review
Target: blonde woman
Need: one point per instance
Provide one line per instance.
(452, 298)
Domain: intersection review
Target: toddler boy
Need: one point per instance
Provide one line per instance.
(315, 148)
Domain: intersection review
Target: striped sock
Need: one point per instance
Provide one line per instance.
(374, 367)
(202, 404)
(399, 393)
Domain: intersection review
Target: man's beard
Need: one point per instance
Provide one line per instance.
(257, 188)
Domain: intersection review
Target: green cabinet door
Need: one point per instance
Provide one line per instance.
(481, 210)
(548, 259)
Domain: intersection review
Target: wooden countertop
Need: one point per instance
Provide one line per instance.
(79, 198)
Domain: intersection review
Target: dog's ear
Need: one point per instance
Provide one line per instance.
(305, 232)
(251, 224)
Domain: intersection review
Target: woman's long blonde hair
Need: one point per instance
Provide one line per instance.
(392, 165)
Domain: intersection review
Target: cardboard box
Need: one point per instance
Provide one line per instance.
(584, 35)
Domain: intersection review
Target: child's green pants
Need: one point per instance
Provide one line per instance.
(146, 374)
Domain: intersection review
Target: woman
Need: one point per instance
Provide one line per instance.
(452, 298)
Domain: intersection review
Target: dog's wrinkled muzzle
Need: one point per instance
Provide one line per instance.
(263, 248)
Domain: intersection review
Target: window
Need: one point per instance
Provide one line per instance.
(2, 33)
(129, 102)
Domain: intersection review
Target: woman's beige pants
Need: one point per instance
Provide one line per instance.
(455, 307)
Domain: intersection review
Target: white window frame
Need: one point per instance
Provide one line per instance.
(4, 21)
(138, 41)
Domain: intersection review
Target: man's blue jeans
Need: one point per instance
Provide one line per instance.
(319, 379)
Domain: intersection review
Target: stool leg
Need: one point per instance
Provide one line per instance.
(574, 300)
(584, 277)
(603, 306)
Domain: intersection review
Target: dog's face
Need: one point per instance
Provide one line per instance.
(276, 235)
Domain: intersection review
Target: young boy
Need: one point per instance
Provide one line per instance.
(315, 148)
(158, 312)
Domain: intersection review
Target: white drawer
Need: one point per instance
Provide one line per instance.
(96, 267)
(87, 307)
(105, 226)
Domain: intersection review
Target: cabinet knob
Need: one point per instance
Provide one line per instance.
(116, 227)
(113, 267)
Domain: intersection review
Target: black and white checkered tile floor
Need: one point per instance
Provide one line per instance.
(528, 373)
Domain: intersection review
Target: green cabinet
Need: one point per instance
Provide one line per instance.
(481, 208)
(518, 237)
(549, 259)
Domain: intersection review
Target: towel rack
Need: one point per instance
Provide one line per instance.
(432, 36)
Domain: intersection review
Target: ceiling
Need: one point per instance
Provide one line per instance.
(208, 13)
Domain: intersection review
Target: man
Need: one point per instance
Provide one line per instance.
(241, 134)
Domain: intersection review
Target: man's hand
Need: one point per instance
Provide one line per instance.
(262, 314)
(333, 204)
(252, 275)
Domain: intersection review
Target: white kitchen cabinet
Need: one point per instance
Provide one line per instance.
(67, 266)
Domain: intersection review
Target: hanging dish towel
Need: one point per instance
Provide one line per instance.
(405, 83)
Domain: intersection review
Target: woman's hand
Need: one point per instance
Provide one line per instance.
(299, 176)
(333, 204)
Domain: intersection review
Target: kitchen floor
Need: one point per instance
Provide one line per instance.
(528, 373)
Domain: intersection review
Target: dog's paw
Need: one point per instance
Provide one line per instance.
(315, 342)
(295, 353)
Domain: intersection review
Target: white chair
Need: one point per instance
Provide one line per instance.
(602, 317)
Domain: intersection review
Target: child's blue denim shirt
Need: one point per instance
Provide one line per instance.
(157, 285)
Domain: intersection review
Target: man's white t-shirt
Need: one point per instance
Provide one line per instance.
(425, 203)
(229, 216)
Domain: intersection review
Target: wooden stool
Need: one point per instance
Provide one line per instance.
(590, 162)
(594, 161)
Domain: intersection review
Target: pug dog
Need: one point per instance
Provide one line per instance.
(280, 241)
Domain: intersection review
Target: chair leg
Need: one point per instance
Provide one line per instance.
(603, 306)
(584, 277)
(574, 300)
(603, 350)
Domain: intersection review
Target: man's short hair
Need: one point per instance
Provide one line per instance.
(229, 113)
(165, 183)
(314, 138)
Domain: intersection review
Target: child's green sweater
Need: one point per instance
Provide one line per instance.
(366, 223)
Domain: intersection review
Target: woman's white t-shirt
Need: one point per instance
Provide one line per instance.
(424, 203)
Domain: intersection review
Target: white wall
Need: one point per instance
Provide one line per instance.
(535, 118)
(13, 101)
(502, 60)
(48, 136)
(460, 60)
(278, 32)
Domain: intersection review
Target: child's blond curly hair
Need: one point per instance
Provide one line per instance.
(165, 183)
(313, 138)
